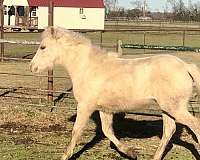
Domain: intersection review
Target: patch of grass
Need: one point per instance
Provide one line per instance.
(13, 50)
(44, 135)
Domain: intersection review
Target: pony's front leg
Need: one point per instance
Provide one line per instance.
(106, 121)
(84, 112)
(169, 127)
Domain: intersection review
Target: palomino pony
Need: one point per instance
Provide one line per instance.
(109, 84)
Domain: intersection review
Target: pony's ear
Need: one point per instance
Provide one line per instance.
(51, 31)
(54, 33)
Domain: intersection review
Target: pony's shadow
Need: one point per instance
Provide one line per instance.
(125, 127)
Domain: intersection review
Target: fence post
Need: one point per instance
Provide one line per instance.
(2, 28)
(119, 48)
(184, 38)
(144, 40)
(101, 39)
(50, 72)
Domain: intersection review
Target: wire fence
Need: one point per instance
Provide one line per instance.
(35, 93)
(25, 42)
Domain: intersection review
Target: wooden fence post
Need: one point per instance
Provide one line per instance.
(144, 38)
(50, 72)
(101, 39)
(184, 38)
(144, 41)
(2, 28)
(119, 48)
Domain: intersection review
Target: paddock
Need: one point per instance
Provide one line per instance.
(29, 129)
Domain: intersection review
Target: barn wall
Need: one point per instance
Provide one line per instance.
(72, 19)
(12, 20)
(42, 14)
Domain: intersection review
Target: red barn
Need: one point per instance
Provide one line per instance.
(71, 14)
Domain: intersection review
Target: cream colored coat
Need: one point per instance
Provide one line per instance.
(109, 84)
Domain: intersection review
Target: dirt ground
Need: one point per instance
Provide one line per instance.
(38, 133)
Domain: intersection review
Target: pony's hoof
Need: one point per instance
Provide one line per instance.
(66, 156)
(132, 153)
(63, 157)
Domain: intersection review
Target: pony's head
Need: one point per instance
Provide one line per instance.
(56, 44)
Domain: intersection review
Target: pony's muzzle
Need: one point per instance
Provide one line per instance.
(33, 68)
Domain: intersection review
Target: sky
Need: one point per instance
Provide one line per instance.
(154, 5)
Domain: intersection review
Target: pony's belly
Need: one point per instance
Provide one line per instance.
(124, 106)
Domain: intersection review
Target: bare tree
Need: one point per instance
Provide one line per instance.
(140, 5)
(180, 12)
(111, 4)
(137, 4)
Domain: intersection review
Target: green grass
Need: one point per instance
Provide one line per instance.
(109, 39)
(149, 24)
(13, 50)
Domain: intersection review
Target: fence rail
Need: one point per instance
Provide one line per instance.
(131, 29)
(33, 75)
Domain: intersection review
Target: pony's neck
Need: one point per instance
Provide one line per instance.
(77, 62)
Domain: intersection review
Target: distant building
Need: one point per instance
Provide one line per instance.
(145, 18)
(71, 14)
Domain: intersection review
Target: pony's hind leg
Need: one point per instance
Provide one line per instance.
(181, 114)
(169, 127)
(184, 117)
(83, 115)
(106, 120)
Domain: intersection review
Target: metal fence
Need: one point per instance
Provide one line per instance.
(36, 94)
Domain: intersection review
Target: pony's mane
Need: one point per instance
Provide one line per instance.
(59, 32)
(65, 34)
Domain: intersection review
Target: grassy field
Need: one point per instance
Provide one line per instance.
(108, 39)
(34, 132)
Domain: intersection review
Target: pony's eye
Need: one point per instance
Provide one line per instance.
(42, 47)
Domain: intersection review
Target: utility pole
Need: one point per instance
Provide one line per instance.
(144, 9)
(115, 5)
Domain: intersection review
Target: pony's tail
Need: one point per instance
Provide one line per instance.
(194, 72)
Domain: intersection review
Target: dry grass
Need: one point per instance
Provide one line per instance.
(35, 133)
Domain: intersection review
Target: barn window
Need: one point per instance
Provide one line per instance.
(81, 11)
(33, 11)
(11, 10)
(5, 10)
(20, 10)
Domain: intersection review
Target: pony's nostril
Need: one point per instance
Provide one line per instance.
(35, 69)
(30, 66)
